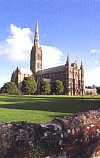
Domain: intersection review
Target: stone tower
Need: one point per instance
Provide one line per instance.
(68, 75)
(36, 53)
(18, 76)
(82, 78)
(74, 78)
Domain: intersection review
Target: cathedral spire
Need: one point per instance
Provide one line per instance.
(81, 67)
(76, 64)
(36, 53)
(36, 36)
(67, 61)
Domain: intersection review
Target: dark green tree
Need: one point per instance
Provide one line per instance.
(29, 85)
(57, 87)
(10, 88)
(98, 90)
(44, 87)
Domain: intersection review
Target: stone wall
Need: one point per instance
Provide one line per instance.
(76, 136)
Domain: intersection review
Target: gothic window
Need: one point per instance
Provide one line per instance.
(39, 56)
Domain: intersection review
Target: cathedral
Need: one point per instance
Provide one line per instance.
(69, 73)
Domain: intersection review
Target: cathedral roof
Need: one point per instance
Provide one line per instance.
(52, 70)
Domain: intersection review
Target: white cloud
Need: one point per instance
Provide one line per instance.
(92, 77)
(51, 56)
(96, 62)
(95, 51)
(26, 71)
(3, 80)
(18, 45)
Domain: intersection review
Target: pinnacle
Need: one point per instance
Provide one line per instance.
(36, 37)
(36, 30)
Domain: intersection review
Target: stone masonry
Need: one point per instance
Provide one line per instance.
(76, 136)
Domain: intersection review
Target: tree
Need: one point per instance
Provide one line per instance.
(29, 85)
(44, 87)
(10, 88)
(57, 87)
(98, 90)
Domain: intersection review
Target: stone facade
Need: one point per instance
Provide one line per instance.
(69, 73)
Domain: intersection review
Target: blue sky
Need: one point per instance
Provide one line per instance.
(65, 26)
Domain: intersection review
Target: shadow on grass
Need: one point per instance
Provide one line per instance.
(52, 104)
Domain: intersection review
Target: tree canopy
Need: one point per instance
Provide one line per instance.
(10, 88)
(98, 90)
(44, 87)
(57, 87)
(29, 85)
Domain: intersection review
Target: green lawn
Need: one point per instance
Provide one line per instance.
(42, 109)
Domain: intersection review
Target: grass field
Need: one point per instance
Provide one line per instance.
(42, 109)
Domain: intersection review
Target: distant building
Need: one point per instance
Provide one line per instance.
(90, 91)
(69, 73)
(18, 76)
